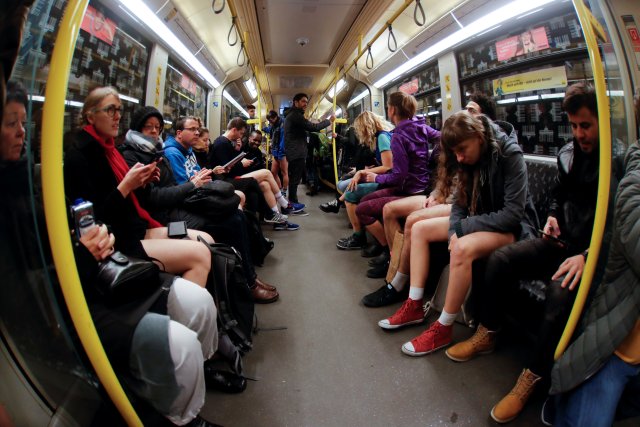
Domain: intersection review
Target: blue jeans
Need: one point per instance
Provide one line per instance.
(595, 401)
(342, 185)
(361, 190)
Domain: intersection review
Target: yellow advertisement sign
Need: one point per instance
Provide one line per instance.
(533, 80)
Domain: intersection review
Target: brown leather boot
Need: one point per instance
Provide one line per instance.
(512, 404)
(482, 342)
(262, 296)
(265, 285)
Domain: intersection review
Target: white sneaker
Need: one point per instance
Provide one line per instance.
(277, 218)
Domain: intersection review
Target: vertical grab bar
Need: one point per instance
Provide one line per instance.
(590, 26)
(55, 208)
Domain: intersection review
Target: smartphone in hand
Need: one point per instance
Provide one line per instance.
(554, 238)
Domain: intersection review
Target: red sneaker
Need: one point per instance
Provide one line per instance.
(434, 338)
(410, 313)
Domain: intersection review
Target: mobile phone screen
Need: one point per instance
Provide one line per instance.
(554, 238)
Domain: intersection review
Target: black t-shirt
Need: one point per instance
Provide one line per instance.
(222, 152)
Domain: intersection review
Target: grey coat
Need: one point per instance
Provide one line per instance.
(513, 210)
(295, 133)
(616, 304)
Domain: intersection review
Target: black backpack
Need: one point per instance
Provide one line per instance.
(260, 246)
(231, 294)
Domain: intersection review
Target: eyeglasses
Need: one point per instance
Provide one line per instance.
(152, 127)
(111, 110)
(192, 129)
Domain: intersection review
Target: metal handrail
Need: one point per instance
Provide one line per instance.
(590, 26)
(56, 211)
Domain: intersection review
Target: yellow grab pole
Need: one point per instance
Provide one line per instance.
(588, 22)
(56, 211)
(333, 130)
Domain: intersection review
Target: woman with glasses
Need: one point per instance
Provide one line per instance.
(94, 170)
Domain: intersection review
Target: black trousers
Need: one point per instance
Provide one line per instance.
(254, 199)
(527, 259)
(296, 171)
(231, 230)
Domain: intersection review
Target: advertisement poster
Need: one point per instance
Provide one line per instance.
(634, 36)
(547, 78)
(98, 26)
(528, 41)
(409, 87)
(188, 84)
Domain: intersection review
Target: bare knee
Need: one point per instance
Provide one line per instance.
(461, 252)
(412, 219)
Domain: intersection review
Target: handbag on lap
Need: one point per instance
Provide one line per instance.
(123, 279)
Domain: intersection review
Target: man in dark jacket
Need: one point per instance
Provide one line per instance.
(295, 140)
(557, 256)
(600, 371)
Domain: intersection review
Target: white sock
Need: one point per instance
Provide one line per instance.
(447, 319)
(399, 281)
(275, 209)
(416, 294)
(282, 201)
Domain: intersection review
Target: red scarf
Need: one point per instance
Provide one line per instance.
(120, 169)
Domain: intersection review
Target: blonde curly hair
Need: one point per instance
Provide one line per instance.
(366, 125)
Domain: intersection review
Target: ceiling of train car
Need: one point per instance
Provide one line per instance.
(270, 29)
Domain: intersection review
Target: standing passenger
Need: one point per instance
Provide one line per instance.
(295, 140)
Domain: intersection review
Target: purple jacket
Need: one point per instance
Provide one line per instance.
(410, 148)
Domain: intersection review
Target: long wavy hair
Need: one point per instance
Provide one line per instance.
(366, 125)
(455, 177)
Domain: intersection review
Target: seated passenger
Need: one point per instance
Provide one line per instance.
(560, 263)
(224, 151)
(201, 148)
(491, 208)
(95, 170)
(164, 199)
(415, 209)
(412, 167)
(253, 151)
(597, 379)
(185, 317)
(373, 131)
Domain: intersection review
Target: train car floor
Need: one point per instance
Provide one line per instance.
(320, 358)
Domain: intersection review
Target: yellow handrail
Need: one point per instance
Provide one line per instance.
(333, 131)
(588, 22)
(55, 209)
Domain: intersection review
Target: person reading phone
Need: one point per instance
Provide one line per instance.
(224, 150)
(557, 257)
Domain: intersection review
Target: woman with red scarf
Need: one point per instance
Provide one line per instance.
(94, 170)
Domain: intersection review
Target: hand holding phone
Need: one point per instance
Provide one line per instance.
(553, 238)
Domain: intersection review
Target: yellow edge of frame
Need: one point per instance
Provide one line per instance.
(55, 209)
(604, 118)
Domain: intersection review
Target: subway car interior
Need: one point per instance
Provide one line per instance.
(319, 355)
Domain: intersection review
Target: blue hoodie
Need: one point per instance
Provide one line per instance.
(182, 160)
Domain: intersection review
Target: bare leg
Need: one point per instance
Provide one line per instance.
(188, 258)
(261, 176)
(275, 168)
(465, 250)
(412, 219)
(423, 233)
(243, 199)
(284, 167)
(353, 218)
(401, 208)
(268, 194)
(377, 231)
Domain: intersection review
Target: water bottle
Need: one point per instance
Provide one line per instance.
(82, 212)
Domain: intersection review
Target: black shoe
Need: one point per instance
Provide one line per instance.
(374, 249)
(386, 295)
(352, 242)
(201, 422)
(331, 207)
(379, 271)
(383, 258)
(224, 381)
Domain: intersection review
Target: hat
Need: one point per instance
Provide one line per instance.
(140, 116)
